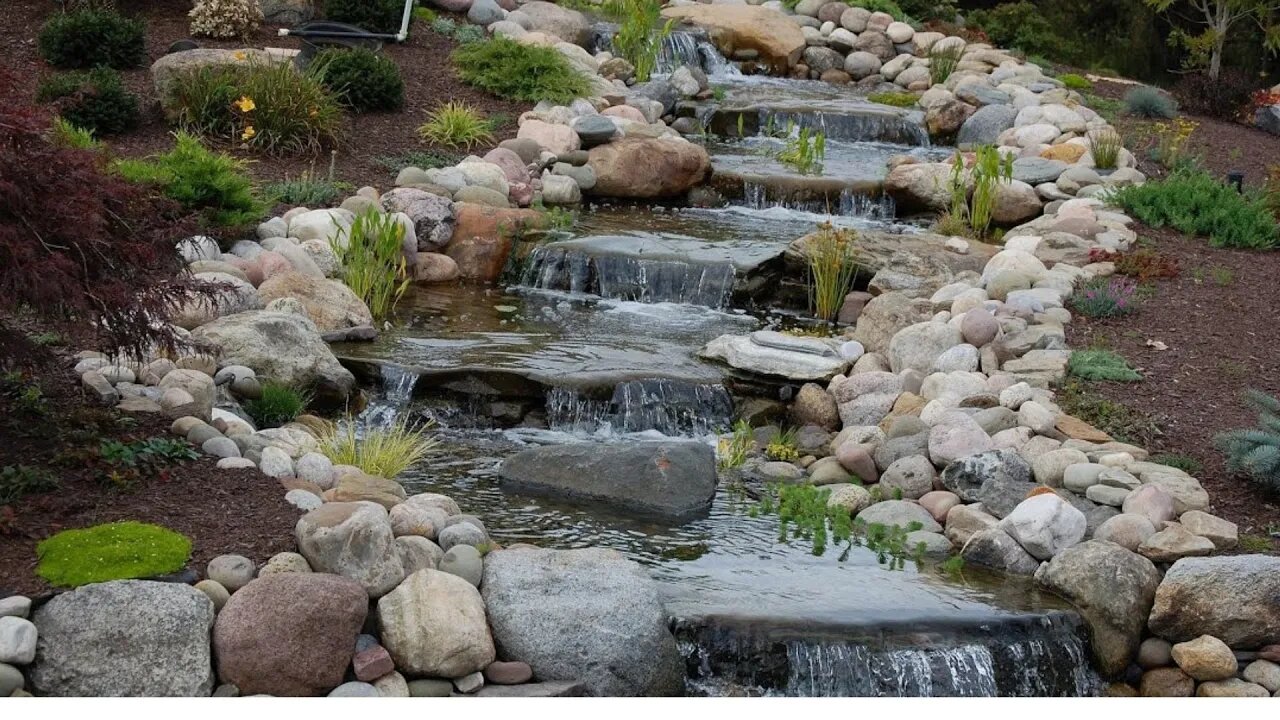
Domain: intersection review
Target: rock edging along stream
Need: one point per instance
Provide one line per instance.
(941, 395)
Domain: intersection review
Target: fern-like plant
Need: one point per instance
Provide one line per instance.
(1101, 365)
(1256, 451)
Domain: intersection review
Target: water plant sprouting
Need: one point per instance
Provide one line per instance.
(832, 254)
(990, 169)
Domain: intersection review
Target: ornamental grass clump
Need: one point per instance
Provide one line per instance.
(833, 263)
(115, 551)
(371, 255)
(1105, 146)
(456, 124)
(278, 404)
(1106, 297)
(943, 62)
(1147, 102)
(1256, 452)
(380, 451)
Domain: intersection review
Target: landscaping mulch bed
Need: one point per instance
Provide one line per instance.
(423, 59)
(221, 511)
(1218, 321)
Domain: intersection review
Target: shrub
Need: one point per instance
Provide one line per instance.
(464, 34)
(362, 79)
(17, 481)
(943, 62)
(1148, 102)
(212, 184)
(96, 100)
(1256, 452)
(89, 38)
(885, 6)
(832, 256)
(115, 551)
(1021, 25)
(278, 404)
(65, 135)
(1105, 146)
(380, 451)
(225, 18)
(1101, 365)
(1226, 97)
(266, 105)
(1072, 81)
(456, 124)
(372, 15)
(133, 279)
(1192, 201)
(896, 99)
(509, 69)
(1105, 297)
(371, 255)
(1171, 141)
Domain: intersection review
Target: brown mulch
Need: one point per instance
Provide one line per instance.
(1222, 337)
(423, 59)
(220, 511)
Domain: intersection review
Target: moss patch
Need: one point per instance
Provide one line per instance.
(115, 551)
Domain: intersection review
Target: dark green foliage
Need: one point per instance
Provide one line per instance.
(96, 100)
(1185, 463)
(213, 184)
(1021, 25)
(364, 80)
(1192, 201)
(309, 190)
(422, 159)
(156, 452)
(278, 405)
(372, 15)
(1256, 452)
(1101, 365)
(19, 480)
(511, 70)
(89, 38)
(115, 551)
(1148, 102)
(1225, 98)
(885, 6)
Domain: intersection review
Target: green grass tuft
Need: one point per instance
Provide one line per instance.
(115, 551)
(278, 405)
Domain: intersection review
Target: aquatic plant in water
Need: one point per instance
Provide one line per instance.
(731, 451)
(832, 254)
(803, 513)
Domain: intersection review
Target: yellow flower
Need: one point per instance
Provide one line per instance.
(314, 112)
(248, 132)
(245, 103)
(239, 55)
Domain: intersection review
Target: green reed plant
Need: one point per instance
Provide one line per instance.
(832, 254)
(804, 149)
(732, 450)
(639, 37)
(278, 404)
(456, 124)
(990, 169)
(371, 255)
(1105, 146)
(943, 62)
(380, 451)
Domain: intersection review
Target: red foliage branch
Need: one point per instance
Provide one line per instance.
(78, 243)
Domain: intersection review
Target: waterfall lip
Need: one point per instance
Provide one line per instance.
(743, 256)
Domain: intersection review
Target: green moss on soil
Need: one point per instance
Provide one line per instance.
(114, 551)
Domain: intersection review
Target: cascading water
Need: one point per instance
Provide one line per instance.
(679, 48)
(630, 278)
(757, 196)
(1045, 656)
(397, 391)
(671, 407)
(849, 126)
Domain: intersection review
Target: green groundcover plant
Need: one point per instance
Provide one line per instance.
(114, 551)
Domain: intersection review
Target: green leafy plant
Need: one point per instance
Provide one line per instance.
(267, 105)
(732, 451)
(1256, 451)
(90, 37)
(1192, 201)
(456, 124)
(362, 79)
(371, 255)
(832, 255)
(444, 26)
(213, 184)
(155, 453)
(1101, 365)
(308, 189)
(1105, 146)
(23, 392)
(17, 481)
(1022, 25)
(512, 70)
(96, 100)
(637, 40)
(1105, 297)
(1148, 102)
(380, 451)
(66, 135)
(884, 6)
(115, 551)
(373, 15)
(803, 149)
(464, 34)
(896, 99)
(1072, 81)
(943, 61)
(804, 513)
(990, 169)
(783, 446)
(279, 404)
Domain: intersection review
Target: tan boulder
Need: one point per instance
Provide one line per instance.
(330, 304)
(775, 36)
(648, 167)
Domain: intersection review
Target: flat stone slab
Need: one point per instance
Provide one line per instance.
(778, 355)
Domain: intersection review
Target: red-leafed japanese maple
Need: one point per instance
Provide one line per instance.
(80, 244)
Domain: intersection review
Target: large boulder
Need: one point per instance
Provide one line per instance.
(637, 167)
(590, 615)
(330, 304)
(289, 634)
(885, 315)
(776, 37)
(231, 295)
(985, 125)
(916, 347)
(126, 638)
(999, 479)
(568, 25)
(1233, 598)
(283, 346)
(1113, 589)
(354, 540)
(432, 215)
(1045, 525)
(171, 71)
(671, 479)
(434, 624)
(919, 186)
